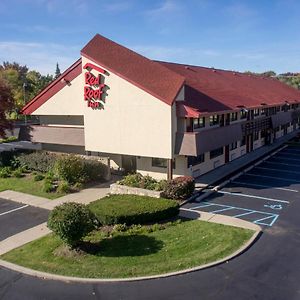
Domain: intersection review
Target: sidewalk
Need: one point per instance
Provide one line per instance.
(85, 196)
(214, 176)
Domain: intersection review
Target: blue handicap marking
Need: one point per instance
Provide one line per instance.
(274, 206)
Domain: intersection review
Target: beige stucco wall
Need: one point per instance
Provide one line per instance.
(132, 122)
(68, 101)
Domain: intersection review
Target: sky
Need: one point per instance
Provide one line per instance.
(256, 35)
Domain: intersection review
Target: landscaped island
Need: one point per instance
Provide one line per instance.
(114, 250)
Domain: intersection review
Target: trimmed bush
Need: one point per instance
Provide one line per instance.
(71, 222)
(132, 180)
(70, 168)
(37, 161)
(133, 209)
(179, 188)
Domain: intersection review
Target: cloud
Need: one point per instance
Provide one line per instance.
(167, 7)
(38, 56)
(116, 7)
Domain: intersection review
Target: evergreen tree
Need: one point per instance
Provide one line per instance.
(57, 71)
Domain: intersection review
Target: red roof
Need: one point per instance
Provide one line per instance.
(54, 87)
(206, 90)
(148, 75)
(212, 90)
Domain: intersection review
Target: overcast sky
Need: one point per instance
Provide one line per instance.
(255, 35)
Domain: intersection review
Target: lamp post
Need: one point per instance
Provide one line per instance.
(24, 98)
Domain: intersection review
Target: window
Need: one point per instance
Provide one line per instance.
(263, 111)
(243, 114)
(233, 116)
(213, 120)
(277, 108)
(199, 123)
(233, 146)
(243, 141)
(195, 160)
(256, 112)
(159, 162)
(215, 153)
(256, 135)
(263, 133)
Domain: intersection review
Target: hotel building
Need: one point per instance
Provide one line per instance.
(159, 118)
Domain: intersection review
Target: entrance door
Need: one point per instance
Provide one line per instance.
(226, 154)
(129, 163)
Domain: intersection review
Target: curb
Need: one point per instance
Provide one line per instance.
(49, 276)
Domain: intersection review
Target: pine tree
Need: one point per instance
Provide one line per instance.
(57, 71)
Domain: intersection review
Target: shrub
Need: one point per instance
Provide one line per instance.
(38, 177)
(144, 182)
(37, 161)
(179, 188)
(71, 222)
(18, 173)
(93, 170)
(48, 186)
(5, 172)
(6, 157)
(133, 209)
(64, 187)
(132, 180)
(70, 168)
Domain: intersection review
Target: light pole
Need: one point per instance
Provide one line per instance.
(24, 98)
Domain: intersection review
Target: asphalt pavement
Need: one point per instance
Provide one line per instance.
(269, 270)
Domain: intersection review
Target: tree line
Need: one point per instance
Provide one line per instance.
(18, 85)
(292, 79)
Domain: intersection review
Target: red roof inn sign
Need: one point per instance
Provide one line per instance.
(94, 89)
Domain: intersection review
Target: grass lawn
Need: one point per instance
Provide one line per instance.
(187, 244)
(27, 185)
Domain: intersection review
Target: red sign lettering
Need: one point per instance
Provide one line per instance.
(94, 89)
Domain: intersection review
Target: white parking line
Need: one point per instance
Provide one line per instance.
(252, 196)
(12, 210)
(278, 163)
(286, 158)
(272, 177)
(289, 153)
(265, 186)
(271, 169)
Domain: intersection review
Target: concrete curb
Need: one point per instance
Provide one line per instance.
(49, 276)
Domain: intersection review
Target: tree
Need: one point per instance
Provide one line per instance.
(57, 71)
(6, 105)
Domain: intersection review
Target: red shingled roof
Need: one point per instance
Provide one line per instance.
(212, 90)
(206, 90)
(148, 75)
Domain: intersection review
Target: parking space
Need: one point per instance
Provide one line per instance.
(261, 194)
(16, 217)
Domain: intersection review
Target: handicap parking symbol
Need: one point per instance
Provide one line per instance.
(274, 206)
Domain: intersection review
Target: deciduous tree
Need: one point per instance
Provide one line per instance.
(6, 105)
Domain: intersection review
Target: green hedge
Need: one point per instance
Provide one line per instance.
(133, 209)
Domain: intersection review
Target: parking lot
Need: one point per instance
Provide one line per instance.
(261, 194)
(16, 217)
